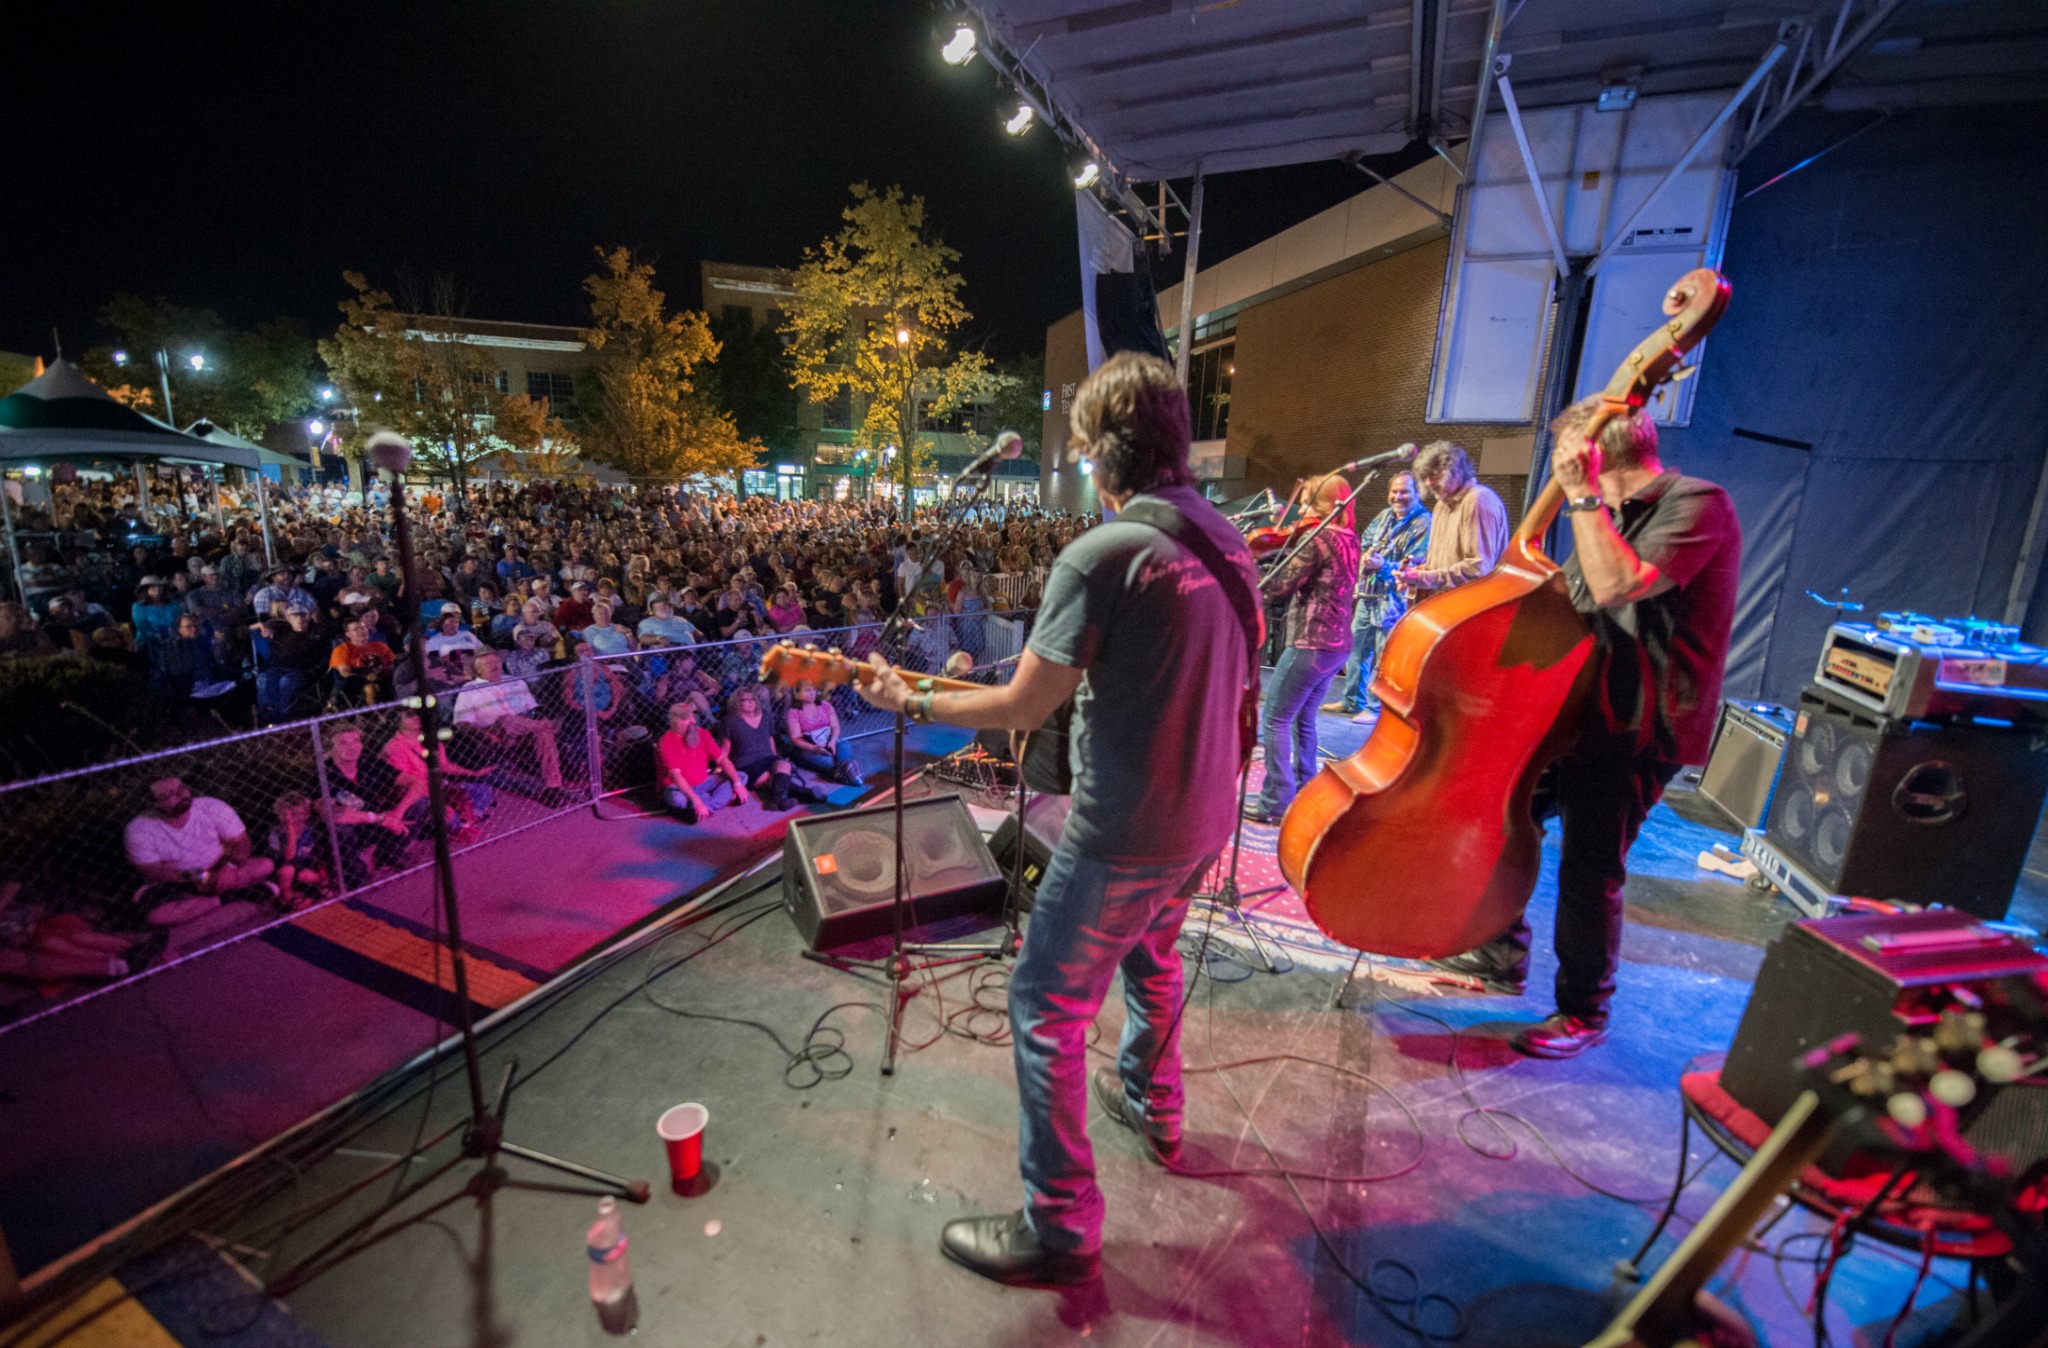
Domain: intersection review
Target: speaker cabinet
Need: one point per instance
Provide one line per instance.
(1742, 767)
(1878, 977)
(1927, 812)
(1045, 819)
(839, 870)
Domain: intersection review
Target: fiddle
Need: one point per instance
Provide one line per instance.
(1271, 538)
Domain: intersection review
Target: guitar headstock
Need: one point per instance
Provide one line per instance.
(788, 664)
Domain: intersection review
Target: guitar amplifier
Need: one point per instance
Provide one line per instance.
(1921, 811)
(1742, 766)
(1879, 977)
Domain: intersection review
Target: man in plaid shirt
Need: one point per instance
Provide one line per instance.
(1398, 537)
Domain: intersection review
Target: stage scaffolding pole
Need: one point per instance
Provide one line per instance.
(1187, 281)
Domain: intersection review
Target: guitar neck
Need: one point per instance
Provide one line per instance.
(864, 675)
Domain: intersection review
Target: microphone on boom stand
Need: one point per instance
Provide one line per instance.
(1008, 445)
(1402, 453)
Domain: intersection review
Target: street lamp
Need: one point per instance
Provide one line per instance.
(197, 362)
(163, 369)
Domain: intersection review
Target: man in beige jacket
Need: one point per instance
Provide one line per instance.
(1468, 527)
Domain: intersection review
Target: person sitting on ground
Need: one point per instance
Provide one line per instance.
(192, 850)
(298, 849)
(671, 630)
(812, 725)
(499, 711)
(41, 947)
(604, 635)
(688, 754)
(448, 636)
(363, 663)
(751, 734)
(367, 808)
(468, 794)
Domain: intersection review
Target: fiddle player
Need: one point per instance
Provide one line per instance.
(1138, 620)
(1317, 582)
(1653, 569)
(1468, 525)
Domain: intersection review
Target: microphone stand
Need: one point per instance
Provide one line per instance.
(1227, 895)
(908, 960)
(483, 1138)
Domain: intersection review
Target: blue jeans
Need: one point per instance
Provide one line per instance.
(277, 690)
(1367, 640)
(1090, 919)
(715, 791)
(1287, 724)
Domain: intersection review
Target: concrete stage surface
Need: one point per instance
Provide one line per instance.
(1483, 1228)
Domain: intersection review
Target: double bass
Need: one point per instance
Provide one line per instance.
(1421, 844)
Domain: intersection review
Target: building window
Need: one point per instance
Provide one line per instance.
(558, 389)
(839, 411)
(1209, 377)
(504, 381)
(740, 313)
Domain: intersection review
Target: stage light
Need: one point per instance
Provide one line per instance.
(960, 50)
(197, 362)
(1020, 120)
(316, 427)
(1086, 175)
(31, 470)
(120, 358)
(1087, 468)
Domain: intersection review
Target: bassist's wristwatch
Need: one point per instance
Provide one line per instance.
(1592, 502)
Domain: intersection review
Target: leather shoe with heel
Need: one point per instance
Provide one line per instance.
(1490, 976)
(1160, 1150)
(1560, 1036)
(1004, 1248)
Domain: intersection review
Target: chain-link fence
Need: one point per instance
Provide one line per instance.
(109, 871)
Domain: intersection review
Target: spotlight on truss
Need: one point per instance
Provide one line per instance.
(1087, 174)
(1020, 121)
(960, 50)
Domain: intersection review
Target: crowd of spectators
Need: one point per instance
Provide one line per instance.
(528, 571)
(545, 610)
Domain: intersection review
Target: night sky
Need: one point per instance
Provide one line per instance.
(239, 157)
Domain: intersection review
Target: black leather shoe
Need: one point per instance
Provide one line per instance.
(1560, 1036)
(1109, 1093)
(1491, 977)
(1006, 1249)
(1254, 815)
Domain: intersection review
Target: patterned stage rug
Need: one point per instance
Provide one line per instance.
(1282, 921)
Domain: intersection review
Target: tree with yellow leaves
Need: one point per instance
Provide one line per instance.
(875, 312)
(645, 414)
(542, 448)
(413, 373)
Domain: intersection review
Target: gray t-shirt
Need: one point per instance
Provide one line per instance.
(1155, 739)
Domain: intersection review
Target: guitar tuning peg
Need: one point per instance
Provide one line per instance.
(835, 651)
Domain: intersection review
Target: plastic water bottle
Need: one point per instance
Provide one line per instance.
(611, 1272)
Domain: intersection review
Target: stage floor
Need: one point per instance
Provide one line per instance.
(822, 1224)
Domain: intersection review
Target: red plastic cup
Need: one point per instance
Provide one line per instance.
(682, 1132)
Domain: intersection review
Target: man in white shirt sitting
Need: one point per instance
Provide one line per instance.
(500, 710)
(192, 850)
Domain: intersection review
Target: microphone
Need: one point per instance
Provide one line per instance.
(1008, 445)
(1403, 453)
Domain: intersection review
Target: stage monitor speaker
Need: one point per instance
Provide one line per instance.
(1927, 812)
(1045, 819)
(839, 870)
(1876, 976)
(1742, 767)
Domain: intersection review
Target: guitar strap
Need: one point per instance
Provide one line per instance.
(1244, 599)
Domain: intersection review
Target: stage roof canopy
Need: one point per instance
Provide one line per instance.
(1160, 86)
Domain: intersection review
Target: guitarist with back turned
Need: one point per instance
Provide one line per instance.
(1653, 569)
(1154, 618)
